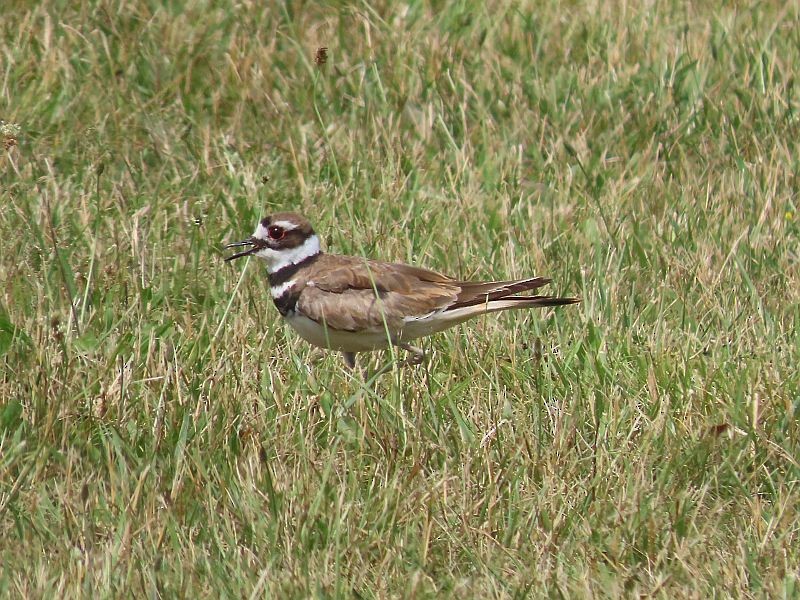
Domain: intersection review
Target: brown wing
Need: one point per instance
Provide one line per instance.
(351, 293)
(479, 292)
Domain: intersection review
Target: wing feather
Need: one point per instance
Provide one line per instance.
(479, 292)
(350, 293)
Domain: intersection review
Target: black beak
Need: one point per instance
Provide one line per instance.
(254, 246)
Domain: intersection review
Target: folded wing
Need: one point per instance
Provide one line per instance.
(356, 294)
(353, 294)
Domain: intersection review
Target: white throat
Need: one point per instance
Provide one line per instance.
(280, 259)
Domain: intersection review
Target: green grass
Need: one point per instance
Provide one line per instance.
(162, 433)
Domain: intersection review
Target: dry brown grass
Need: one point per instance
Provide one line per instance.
(161, 432)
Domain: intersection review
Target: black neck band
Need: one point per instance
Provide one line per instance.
(287, 302)
(286, 273)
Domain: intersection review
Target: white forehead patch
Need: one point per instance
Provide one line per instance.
(262, 232)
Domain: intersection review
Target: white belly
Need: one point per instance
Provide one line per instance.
(378, 338)
(331, 339)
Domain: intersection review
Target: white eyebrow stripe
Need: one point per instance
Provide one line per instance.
(287, 225)
(262, 232)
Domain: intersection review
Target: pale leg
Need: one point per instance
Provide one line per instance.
(417, 354)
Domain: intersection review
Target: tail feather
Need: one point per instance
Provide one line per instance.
(485, 293)
(513, 302)
(452, 316)
(537, 300)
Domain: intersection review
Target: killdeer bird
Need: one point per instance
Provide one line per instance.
(353, 304)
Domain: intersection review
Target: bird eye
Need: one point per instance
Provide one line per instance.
(276, 233)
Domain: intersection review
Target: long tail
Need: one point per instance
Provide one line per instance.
(488, 293)
(513, 302)
(488, 297)
(452, 316)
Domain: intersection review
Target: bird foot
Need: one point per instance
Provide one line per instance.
(417, 355)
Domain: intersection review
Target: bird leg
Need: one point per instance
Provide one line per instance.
(350, 362)
(417, 357)
(349, 359)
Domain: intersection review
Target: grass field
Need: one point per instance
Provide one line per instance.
(163, 434)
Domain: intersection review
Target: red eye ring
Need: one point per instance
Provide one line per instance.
(276, 233)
